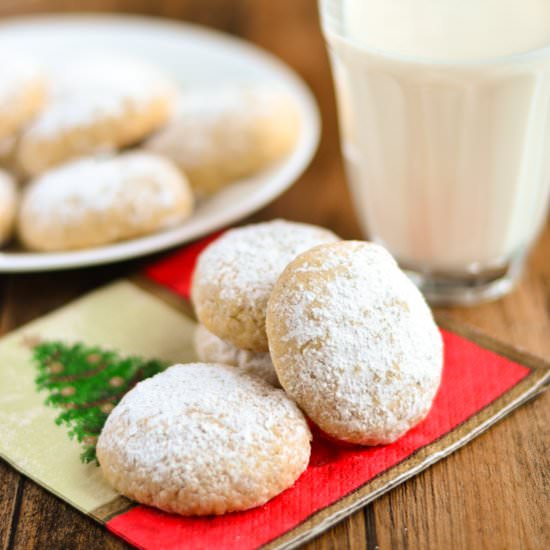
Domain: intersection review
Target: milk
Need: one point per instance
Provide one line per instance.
(448, 29)
(445, 123)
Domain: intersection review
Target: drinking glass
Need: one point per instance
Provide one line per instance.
(448, 162)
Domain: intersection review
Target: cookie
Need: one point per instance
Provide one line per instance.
(222, 134)
(98, 106)
(8, 205)
(354, 343)
(211, 349)
(22, 93)
(95, 201)
(235, 274)
(202, 439)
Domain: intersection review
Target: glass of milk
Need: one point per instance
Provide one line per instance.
(444, 109)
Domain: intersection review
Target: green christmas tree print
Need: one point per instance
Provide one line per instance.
(86, 383)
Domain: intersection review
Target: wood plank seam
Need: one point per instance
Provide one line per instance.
(16, 511)
(371, 542)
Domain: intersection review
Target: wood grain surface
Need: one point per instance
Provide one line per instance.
(491, 494)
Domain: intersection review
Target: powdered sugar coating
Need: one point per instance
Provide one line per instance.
(8, 205)
(212, 349)
(100, 86)
(223, 133)
(203, 439)
(96, 106)
(17, 73)
(22, 92)
(98, 200)
(354, 342)
(235, 274)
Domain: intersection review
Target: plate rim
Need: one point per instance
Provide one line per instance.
(283, 174)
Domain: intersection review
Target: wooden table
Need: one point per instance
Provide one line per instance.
(491, 494)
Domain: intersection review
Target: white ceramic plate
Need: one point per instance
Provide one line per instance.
(192, 56)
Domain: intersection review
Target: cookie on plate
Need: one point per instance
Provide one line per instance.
(354, 343)
(211, 349)
(96, 201)
(221, 134)
(235, 274)
(97, 106)
(202, 439)
(8, 205)
(22, 93)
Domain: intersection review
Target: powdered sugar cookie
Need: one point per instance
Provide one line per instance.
(99, 105)
(203, 439)
(212, 349)
(22, 93)
(95, 201)
(8, 205)
(222, 134)
(354, 343)
(235, 274)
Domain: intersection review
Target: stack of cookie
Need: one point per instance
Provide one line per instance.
(335, 323)
(232, 284)
(109, 148)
